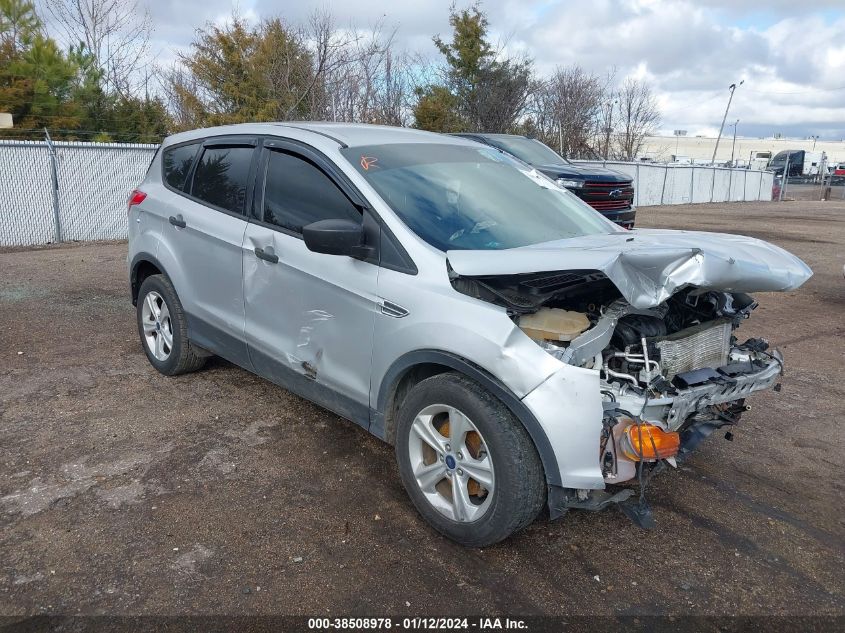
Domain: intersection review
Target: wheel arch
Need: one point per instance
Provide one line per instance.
(143, 265)
(418, 365)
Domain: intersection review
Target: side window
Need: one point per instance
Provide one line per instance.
(297, 193)
(177, 163)
(222, 176)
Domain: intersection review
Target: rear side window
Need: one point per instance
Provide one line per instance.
(297, 193)
(222, 176)
(177, 163)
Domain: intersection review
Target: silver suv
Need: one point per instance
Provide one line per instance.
(518, 349)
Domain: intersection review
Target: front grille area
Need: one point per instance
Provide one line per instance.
(695, 348)
(607, 196)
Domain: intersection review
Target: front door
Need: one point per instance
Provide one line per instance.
(309, 316)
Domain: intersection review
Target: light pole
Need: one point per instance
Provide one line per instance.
(733, 145)
(815, 138)
(732, 87)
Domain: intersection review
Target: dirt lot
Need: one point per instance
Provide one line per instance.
(125, 492)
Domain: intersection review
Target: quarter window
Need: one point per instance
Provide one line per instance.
(222, 176)
(177, 164)
(297, 193)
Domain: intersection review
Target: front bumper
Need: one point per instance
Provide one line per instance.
(623, 217)
(573, 404)
(671, 412)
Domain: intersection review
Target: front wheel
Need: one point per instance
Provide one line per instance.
(468, 465)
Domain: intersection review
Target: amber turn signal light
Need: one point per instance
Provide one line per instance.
(646, 442)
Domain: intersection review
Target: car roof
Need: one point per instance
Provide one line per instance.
(491, 136)
(348, 134)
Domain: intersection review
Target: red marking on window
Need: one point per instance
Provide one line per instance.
(367, 161)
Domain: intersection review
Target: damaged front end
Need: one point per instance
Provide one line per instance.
(671, 370)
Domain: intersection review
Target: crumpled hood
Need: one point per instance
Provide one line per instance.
(650, 265)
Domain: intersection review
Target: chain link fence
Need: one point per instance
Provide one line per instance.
(813, 188)
(60, 191)
(85, 197)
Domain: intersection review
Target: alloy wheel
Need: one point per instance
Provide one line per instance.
(157, 326)
(451, 463)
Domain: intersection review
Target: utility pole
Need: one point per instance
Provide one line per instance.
(732, 88)
(733, 146)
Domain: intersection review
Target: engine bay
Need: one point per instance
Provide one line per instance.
(670, 375)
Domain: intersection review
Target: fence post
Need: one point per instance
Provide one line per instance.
(730, 184)
(713, 185)
(51, 150)
(665, 173)
(745, 186)
(692, 185)
(637, 190)
(784, 179)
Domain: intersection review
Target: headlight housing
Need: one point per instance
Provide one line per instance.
(570, 183)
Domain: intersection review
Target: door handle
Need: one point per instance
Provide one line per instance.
(260, 253)
(178, 221)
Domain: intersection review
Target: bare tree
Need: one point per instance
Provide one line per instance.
(501, 95)
(275, 71)
(181, 91)
(115, 33)
(566, 110)
(357, 74)
(638, 116)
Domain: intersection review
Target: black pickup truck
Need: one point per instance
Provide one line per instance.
(609, 192)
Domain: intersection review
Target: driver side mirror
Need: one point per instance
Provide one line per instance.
(336, 237)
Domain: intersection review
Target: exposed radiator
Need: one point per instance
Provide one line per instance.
(697, 347)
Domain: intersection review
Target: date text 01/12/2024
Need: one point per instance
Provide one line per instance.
(417, 623)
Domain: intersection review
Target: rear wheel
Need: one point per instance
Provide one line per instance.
(164, 329)
(467, 463)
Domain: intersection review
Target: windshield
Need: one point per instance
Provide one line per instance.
(526, 149)
(463, 197)
(781, 157)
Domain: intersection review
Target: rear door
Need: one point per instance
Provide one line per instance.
(309, 316)
(206, 230)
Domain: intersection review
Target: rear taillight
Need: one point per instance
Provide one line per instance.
(136, 197)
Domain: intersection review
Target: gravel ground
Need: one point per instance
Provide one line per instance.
(126, 492)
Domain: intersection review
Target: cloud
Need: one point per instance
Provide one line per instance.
(790, 54)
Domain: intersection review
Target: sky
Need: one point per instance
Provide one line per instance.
(790, 54)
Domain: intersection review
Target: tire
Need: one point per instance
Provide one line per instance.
(178, 357)
(517, 478)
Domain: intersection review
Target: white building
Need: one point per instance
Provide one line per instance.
(699, 148)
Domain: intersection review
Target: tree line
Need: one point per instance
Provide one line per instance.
(100, 84)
